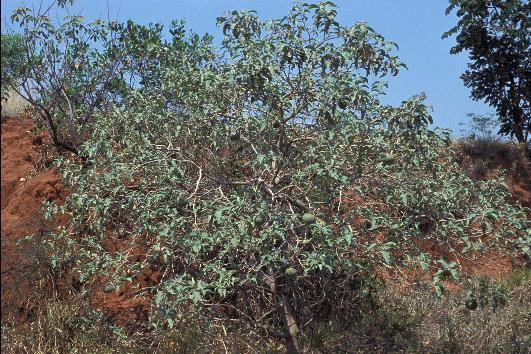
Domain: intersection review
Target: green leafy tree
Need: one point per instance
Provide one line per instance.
(12, 61)
(71, 70)
(263, 181)
(497, 35)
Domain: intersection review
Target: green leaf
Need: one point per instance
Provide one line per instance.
(387, 257)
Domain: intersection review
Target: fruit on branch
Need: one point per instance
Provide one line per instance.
(308, 219)
(181, 202)
(259, 220)
(235, 136)
(109, 288)
(290, 272)
(389, 159)
(471, 303)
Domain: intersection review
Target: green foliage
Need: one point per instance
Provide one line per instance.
(224, 171)
(497, 36)
(12, 61)
(72, 70)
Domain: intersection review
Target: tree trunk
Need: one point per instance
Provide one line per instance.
(518, 124)
(291, 329)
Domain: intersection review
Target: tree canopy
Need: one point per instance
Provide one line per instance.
(260, 180)
(497, 36)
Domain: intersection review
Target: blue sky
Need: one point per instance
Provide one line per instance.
(416, 25)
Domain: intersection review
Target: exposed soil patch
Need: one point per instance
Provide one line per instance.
(21, 199)
(25, 185)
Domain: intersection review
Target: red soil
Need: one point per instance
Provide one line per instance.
(21, 198)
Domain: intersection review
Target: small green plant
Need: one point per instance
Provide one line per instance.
(482, 293)
(446, 271)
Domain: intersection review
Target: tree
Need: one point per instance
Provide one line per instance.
(497, 35)
(481, 126)
(71, 70)
(263, 181)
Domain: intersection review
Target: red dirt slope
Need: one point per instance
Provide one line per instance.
(22, 274)
(21, 198)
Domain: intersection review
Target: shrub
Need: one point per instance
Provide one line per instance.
(74, 70)
(481, 127)
(481, 152)
(207, 174)
(12, 61)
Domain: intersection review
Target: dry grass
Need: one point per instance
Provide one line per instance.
(448, 326)
(63, 327)
(391, 321)
(15, 106)
(70, 327)
(415, 321)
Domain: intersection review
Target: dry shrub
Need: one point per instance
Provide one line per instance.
(481, 156)
(416, 321)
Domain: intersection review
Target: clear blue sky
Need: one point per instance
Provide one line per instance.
(416, 25)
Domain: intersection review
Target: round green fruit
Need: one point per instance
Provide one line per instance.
(109, 288)
(342, 104)
(235, 136)
(259, 219)
(388, 159)
(181, 202)
(471, 304)
(309, 219)
(290, 272)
